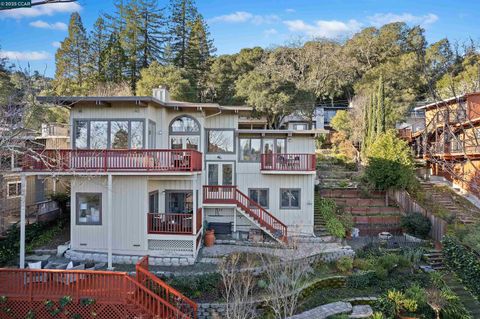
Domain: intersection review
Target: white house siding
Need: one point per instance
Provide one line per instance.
(297, 220)
(129, 197)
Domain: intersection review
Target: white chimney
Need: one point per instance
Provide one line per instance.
(161, 93)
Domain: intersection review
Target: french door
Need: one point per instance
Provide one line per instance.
(220, 173)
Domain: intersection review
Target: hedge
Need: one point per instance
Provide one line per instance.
(464, 262)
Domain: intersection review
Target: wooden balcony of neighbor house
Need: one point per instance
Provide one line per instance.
(288, 163)
(131, 160)
(174, 224)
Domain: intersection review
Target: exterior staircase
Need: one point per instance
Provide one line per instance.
(465, 215)
(434, 258)
(258, 215)
(466, 298)
(115, 294)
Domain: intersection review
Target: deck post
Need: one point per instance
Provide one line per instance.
(23, 204)
(109, 221)
(195, 206)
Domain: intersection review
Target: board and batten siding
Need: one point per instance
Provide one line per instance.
(298, 220)
(129, 198)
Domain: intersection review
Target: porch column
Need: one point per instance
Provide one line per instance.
(23, 204)
(195, 206)
(109, 221)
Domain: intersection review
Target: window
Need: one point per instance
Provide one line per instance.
(289, 198)
(259, 195)
(119, 134)
(250, 149)
(81, 134)
(274, 145)
(136, 131)
(14, 189)
(185, 131)
(98, 134)
(153, 202)
(184, 124)
(220, 141)
(104, 134)
(179, 202)
(89, 208)
(213, 174)
(300, 127)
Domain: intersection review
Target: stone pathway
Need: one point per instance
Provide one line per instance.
(325, 311)
(361, 311)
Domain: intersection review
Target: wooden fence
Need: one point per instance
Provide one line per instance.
(408, 205)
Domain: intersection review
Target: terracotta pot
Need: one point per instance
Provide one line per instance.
(209, 238)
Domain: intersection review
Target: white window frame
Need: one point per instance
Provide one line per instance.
(18, 189)
(290, 201)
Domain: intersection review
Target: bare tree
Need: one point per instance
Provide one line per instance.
(436, 299)
(286, 278)
(239, 283)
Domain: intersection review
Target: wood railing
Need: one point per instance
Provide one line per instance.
(288, 162)
(154, 160)
(231, 195)
(172, 296)
(199, 220)
(170, 223)
(145, 291)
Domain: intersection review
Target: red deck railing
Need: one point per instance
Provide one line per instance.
(174, 223)
(146, 292)
(231, 195)
(288, 162)
(165, 292)
(154, 160)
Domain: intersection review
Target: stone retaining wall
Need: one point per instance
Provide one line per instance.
(128, 259)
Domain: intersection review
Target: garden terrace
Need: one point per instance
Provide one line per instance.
(138, 160)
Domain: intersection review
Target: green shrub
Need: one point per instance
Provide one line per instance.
(362, 264)
(360, 280)
(344, 264)
(416, 224)
(336, 221)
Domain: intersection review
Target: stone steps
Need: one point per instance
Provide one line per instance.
(467, 299)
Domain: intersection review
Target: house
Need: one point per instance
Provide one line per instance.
(411, 130)
(451, 140)
(148, 175)
(320, 121)
(38, 206)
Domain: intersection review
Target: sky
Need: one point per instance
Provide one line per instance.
(29, 37)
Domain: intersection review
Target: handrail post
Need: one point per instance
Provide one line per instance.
(105, 160)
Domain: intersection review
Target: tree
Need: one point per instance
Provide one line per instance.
(390, 163)
(98, 50)
(72, 60)
(381, 107)
(198, 53)
(268, 95)
(341, 122)
(114, 60)
(174, 78)
(183, 14)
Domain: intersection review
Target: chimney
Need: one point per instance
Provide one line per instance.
(161, 93)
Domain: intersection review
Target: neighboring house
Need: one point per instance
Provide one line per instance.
(38, 206)
(320, 120)
(451, 140)
(148, 175)
(412, 129)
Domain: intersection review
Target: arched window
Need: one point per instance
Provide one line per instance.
(184, 125)
(184, 133)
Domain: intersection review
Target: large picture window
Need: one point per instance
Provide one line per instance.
(259, 195)
(250, 149)
(220, 141)
(104, 134)
(89, 208)
(290, 198)
(274, 145)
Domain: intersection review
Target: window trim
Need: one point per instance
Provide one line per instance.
(171, 132)
(207, 132)
(299, 198)
(261, 189)
(109, 131)
(18, 189)
(77, 209)
(275, 144)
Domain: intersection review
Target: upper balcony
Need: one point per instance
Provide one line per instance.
(138, 160)
(291, 163)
